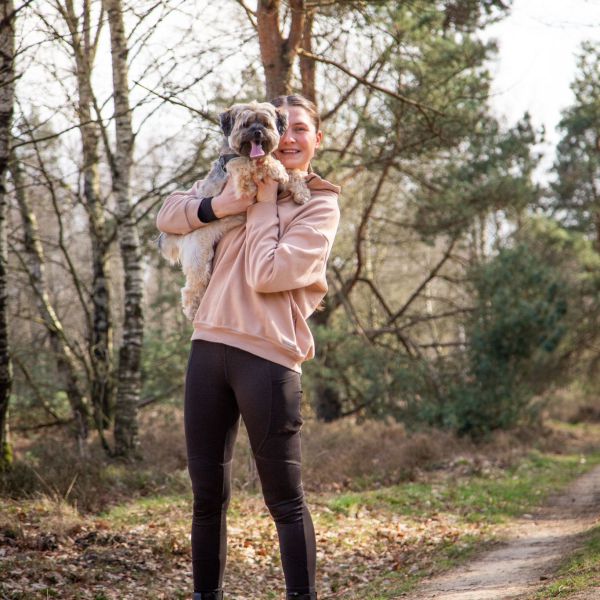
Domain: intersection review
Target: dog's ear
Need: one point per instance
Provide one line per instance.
(282, 122)
(226, 120)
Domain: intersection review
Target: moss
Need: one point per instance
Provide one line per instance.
(6, 456)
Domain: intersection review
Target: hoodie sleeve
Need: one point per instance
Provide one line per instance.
(179, 213)
(297, 259)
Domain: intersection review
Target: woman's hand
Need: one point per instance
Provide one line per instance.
(227, 203)
(267, 190)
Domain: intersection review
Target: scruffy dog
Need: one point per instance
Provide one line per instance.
(251, 133)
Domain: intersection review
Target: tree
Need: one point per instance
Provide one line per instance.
(430, 180)
(534, 326)
(575, 194)
(68, 358)
(277, 52)
(407, 87)
(129, 374)
(81, 304)
(84, 39)
(85, 373)
(7, 91)
(409, 120)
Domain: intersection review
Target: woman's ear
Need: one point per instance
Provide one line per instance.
(318, 138)
(226, 120)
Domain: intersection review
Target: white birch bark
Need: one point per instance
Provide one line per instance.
(129, 373)
(7, 92)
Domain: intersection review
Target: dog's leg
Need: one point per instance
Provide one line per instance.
(191, 294)
(275, 170)
(196, 263)
(241, 171)
(294, 180)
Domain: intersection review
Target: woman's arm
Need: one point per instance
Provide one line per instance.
(297, 259)
(179, 213)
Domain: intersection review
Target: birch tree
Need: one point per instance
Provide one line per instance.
(84, 38)
(75, 28)
(7, 91)
(129, 374)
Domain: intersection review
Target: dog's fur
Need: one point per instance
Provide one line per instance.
(248, 129)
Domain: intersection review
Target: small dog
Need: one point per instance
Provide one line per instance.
(251, 134)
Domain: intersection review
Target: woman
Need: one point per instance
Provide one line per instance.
(250, 339)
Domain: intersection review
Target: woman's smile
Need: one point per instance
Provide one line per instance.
(298, 144)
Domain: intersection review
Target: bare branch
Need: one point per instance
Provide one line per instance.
(249, 13)
(424, 283)
(422, 108)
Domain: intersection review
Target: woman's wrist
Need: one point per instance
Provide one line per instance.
(226, 204)
(267, 198)
(217, 207)
(267, 191)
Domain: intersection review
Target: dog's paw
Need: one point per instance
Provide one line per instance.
(189, 302)
(189, 312)
(301, 196)
(275, 170)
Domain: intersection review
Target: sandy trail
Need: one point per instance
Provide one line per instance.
(534, 545)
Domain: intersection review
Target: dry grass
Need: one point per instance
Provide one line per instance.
(377, 540)
(372, 544)
(351, 455)
(344, 455)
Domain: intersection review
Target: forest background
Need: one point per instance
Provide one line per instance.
(463, 292)
(460, 331)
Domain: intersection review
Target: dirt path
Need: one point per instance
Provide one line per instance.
(534, 545)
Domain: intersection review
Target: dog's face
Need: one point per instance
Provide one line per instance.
(253, 130)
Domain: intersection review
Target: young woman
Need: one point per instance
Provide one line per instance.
(250, 339)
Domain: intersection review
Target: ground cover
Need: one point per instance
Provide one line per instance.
(579, 576)
(374, 544)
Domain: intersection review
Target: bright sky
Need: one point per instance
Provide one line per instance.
(538, 43)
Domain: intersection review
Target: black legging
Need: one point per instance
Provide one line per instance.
(221, 383)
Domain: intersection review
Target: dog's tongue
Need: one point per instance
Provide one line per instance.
(256, 150)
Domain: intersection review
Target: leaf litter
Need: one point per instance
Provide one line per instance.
(148, 549)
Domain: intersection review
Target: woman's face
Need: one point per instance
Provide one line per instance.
(298, 144)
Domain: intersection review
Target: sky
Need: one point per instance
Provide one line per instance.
(538, 44)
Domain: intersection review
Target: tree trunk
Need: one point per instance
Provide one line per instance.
(100, 330)
(7, 96)
(278, 53)
(129, 375)
(66, 361)
(308, 65)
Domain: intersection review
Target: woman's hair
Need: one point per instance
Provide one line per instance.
(302, 102)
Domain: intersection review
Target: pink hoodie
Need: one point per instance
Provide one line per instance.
(268, 274)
